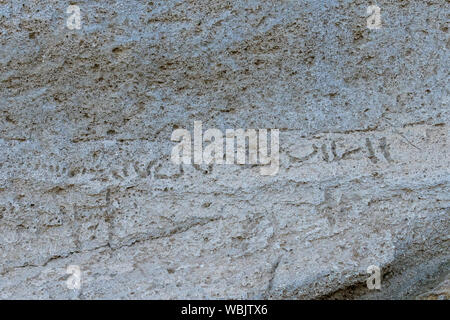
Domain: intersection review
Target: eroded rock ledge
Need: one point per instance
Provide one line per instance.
(85, 171)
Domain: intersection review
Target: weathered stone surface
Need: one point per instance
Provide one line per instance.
(440, 292)
(85, 171)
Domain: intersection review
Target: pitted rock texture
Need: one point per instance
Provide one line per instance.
(85, 171)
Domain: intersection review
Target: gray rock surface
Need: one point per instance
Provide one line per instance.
(85, 171)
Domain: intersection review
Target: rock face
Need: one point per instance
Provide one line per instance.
(440, 292)
(86, 177)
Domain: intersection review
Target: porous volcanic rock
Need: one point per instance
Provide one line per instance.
(86, 177)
